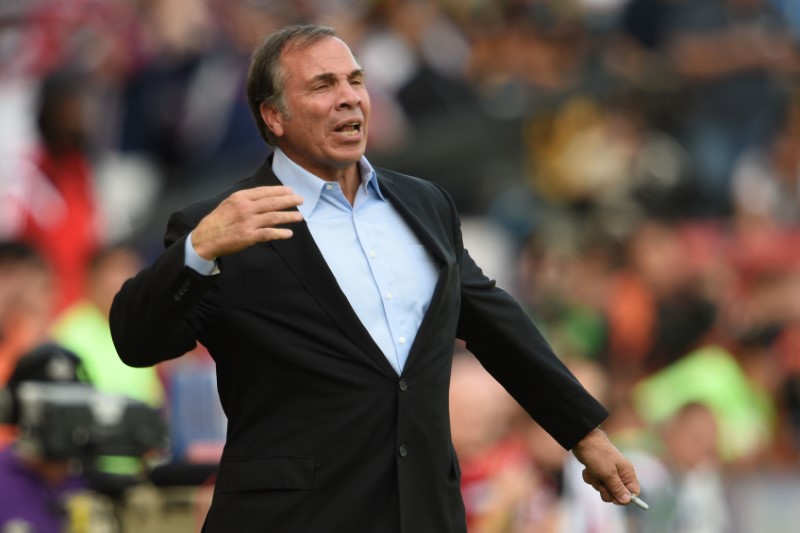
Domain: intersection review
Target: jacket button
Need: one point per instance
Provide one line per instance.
(403, 385)
(403, 450)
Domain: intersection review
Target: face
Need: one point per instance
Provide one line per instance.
(324, 129)
(108, 277)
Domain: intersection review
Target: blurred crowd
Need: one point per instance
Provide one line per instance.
(642, 157)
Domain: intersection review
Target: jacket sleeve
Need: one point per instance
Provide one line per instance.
(157, 314)
(505, 340)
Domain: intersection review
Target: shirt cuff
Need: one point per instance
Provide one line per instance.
(195, 262)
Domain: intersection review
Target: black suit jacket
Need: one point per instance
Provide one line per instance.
(323, 435)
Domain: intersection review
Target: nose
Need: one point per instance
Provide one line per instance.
(348, 96)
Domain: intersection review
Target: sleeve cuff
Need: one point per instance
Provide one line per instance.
(195, 262)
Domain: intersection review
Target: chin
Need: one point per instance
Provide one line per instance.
(349, 157)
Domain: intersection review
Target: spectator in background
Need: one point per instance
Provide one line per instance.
(84, 329)
(540, 508)
(35, 489)
(52, 204)
(175, 35)
(658, 308)
(26, 302)
(744, 411)
(728, 56)
(563, 282)
(766, 178)
(428, 119)
(184, 106)
(494, 467)
(686, 490)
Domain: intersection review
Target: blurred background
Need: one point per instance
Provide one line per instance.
(628, 169)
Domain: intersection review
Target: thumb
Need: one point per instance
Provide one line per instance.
(625, 483)
(619, 490)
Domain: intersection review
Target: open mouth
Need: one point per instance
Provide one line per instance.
(351, 129)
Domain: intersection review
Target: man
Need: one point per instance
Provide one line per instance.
(36, 488)
(329, 295)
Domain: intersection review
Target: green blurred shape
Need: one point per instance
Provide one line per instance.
(711, 376)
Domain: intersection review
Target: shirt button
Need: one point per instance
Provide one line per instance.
(329, 187)
(402, 340)
(403, 385)
(372, 253)
(403, 450)
(389, 296)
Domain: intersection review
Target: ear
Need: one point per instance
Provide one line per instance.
(273, 119)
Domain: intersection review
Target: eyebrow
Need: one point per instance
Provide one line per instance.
(330, 77)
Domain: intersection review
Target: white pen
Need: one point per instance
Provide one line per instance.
(638, 501)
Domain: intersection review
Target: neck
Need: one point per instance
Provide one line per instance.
(348, 177)
(349, 180)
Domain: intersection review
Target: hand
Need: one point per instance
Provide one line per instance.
(607, 470)
(245, 218)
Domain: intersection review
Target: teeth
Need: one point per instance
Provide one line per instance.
(351, 128)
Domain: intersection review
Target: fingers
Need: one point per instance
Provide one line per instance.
(262, 208)
(268, 199)
(274, 234)
(618, 491)
(607, 470)
(598, 485)
(615, 485)
(245, 218)
(271, 219)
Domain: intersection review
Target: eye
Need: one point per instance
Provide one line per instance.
(321, 84)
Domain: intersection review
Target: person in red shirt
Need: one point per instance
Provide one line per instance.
(57, 209)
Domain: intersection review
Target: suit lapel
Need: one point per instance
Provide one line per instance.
(424, 225)
(414, 215)
(303, 257)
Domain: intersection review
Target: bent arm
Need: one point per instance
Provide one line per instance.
(157, 314)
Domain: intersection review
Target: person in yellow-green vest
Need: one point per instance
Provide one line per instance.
(83, 328)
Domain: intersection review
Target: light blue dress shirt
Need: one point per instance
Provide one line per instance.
(384, 271)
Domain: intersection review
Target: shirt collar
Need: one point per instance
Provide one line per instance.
(310, 187)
